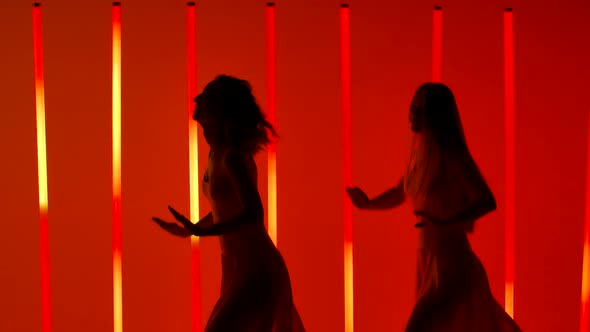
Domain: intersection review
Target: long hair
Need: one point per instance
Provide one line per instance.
(440, 158)
(245, 124)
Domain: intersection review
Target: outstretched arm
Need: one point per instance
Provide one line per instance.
(187, 228)
(389, 199)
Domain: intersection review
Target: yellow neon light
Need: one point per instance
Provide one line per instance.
(117, 293)
(509, 298)
(116, 94)
(348, 285)
(117, 105)
(272, 196)
(585, 287)
(586, 275)
(194, 176)
(41, 145)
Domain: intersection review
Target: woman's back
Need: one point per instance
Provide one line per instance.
(454, 188)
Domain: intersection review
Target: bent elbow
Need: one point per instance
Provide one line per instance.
(488, 201)
(493, 204)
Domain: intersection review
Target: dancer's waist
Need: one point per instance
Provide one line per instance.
(443, 238)
(246, 239)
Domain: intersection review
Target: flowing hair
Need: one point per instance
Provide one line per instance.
(246, 124)
(440, 160)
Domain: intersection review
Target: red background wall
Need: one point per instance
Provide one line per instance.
(391, 47)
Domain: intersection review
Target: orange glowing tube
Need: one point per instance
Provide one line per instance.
(191, 48)
(271, 106)
(437, 44)
(346, 163)
(510, 171)
(116, 118)
(586, 254)
(41, 168)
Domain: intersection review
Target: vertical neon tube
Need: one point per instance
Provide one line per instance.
(116, 94)
(510, 164)
(271, 107)
(346, 163)
(41, 168)
(191, 48)
(586, 254)
(437, 44)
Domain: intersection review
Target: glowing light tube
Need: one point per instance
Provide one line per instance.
(437, 44)
(346, 163)
(116, 118)
(191, 48)
(510, 171)
(586, 254)
(41, 168)
(271, 109)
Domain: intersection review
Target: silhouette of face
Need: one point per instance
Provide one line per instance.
(208, 114)
(417, 112)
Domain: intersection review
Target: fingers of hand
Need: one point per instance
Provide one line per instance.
(159, 221)
(175, 229)
(358, 197)
(175, 213)
(184, 220)
(172, 228)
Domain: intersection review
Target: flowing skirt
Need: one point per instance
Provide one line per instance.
(255, 294)
(453, 292)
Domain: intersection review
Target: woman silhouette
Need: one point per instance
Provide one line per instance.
(255, 287)
(449, 194)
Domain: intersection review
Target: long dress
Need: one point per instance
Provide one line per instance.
(255, 286)
(453, 292)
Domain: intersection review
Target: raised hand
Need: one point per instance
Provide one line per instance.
(358, 197)
(172, 228)
(181, 219)
(186, 228)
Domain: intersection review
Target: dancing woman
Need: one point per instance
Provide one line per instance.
(255, 288)
(449, 194)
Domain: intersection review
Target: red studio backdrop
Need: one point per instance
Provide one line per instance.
(95, 140)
